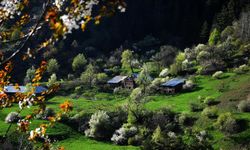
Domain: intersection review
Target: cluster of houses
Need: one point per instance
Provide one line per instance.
(129, 82)
(172, 86)
(11, 89)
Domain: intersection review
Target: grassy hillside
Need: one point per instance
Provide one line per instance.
(236, 87)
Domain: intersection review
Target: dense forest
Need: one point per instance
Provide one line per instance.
(178, 23)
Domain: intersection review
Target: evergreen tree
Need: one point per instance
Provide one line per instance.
(214, 37)
(204, 32)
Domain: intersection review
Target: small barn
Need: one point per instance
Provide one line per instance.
(122, 81)
(173, 86)
(22, 89)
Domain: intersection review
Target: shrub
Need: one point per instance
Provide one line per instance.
(242, 69)
(164, 73)
(189, 85)
(195, 107)
(80, 121)
(135, 140)
(218, 75)
(122, 135)
(210, 101)
(227, 123)
(176, 68)
(244, 106)
(12, 117)
(78, 90)
(102, 78)
(52, 80)
(157, 135)
(165, 118)
(99, 124)
(190, 54)
(210, 112)
(185, 119)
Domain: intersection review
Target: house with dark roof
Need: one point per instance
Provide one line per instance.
(173, 86)
(122, 81)
(22, 89)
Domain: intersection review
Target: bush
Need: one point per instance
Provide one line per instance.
(52, 80)
(218, 75)
(12, 117)
(164, 73)
(80, 121)
(165, 118)
(227, 123)
(189, 85)
(195, 107)
(102, 78)
(122, 135)
(210, 112)
(242, 69)
(78, 90)
(185, 119)
(210, 101)
(244, 106)
(99, 124)
(135, 140)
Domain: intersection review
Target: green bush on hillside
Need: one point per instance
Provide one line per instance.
(210, 112)
(227, 123)
(218, 75)
(244, 106)
(210, 101)
(12, 117)
(241, 69)
(100, 126)
(195, 107)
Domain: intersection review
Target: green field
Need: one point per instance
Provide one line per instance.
(207, 86)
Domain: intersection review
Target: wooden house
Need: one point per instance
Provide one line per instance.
(173, 86)
(122, 81)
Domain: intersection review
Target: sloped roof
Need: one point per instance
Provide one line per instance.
(117, 79)
(173, 82)
(22, 89)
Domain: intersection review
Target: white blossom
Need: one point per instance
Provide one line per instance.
(9, 8)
